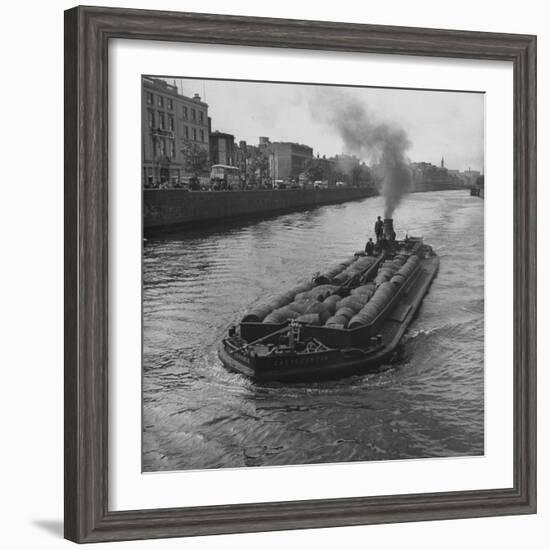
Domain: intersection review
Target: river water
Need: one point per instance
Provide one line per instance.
(429, 403)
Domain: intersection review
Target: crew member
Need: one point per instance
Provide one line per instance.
(369, 247)
(379, 229)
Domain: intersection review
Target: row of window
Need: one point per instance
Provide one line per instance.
(161, 120)
(185, 112)
(160, 101)
(195, 115)
(164, 147)
(187, 134)
(162, 124)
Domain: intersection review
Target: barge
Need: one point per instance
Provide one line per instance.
(348, 320)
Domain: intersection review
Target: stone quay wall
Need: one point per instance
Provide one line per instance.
(172, 208)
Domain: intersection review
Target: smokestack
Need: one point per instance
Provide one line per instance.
(388, 228)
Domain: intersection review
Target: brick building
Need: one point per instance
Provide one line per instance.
(426, 176)
(287, 159)
(171, 122)
(222, 148)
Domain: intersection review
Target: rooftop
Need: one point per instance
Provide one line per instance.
(161, 85)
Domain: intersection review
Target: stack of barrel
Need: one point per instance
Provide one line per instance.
(356, 268)
(313, 307)
(385, 290)
(305, 303)
(403, 273)
(321, 305)
(348, 307)
(389, 268)
(259, 313)
(308, 303)
(329, 275)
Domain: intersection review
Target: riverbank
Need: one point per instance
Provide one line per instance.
(167, 209)
(428, 188)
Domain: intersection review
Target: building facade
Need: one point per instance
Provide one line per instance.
(426, 176)
(222, 148)
(287, 160)
(345, 164)
(171, 124)
(470, 177)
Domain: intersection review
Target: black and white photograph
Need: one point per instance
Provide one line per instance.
(273, 277)
(313, 273)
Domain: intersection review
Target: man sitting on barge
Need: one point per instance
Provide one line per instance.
(369, 247)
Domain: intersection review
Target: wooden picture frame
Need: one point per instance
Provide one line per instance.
(87, 34)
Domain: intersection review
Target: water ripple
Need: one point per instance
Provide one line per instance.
(427, 404)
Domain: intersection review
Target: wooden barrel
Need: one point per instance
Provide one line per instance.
(310, 319)
(257, 315)
(397, 279)
(355, 302)
(281, 315)
(299, 307)
(337, 321)
(346, 312)
(365, 294)
(331, 302)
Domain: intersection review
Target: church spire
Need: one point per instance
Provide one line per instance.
(442, 162)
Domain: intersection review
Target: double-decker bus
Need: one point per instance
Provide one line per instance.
(225, 177)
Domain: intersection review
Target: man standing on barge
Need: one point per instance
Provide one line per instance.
(379, 229)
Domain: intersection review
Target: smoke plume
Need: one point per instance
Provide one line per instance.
(379, 142)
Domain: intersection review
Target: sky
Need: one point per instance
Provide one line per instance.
(438, 124)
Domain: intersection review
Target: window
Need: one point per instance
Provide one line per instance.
(151, 117)
(170, 103)
(149, 176)
(163, 147)
(160, 101)
(202, 135)
(201, 116)
(193, 114)
(185, 113)
(172, 149)
(149, 98)
(171, 125)
(162, 121)
(194, 134)
(187, 132)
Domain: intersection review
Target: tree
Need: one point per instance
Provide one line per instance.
(361, 176)
(257, 165)
(314, 169)
(195, 159)
(340, 176)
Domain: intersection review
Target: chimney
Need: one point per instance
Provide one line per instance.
(388, 228)
(197, 97)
